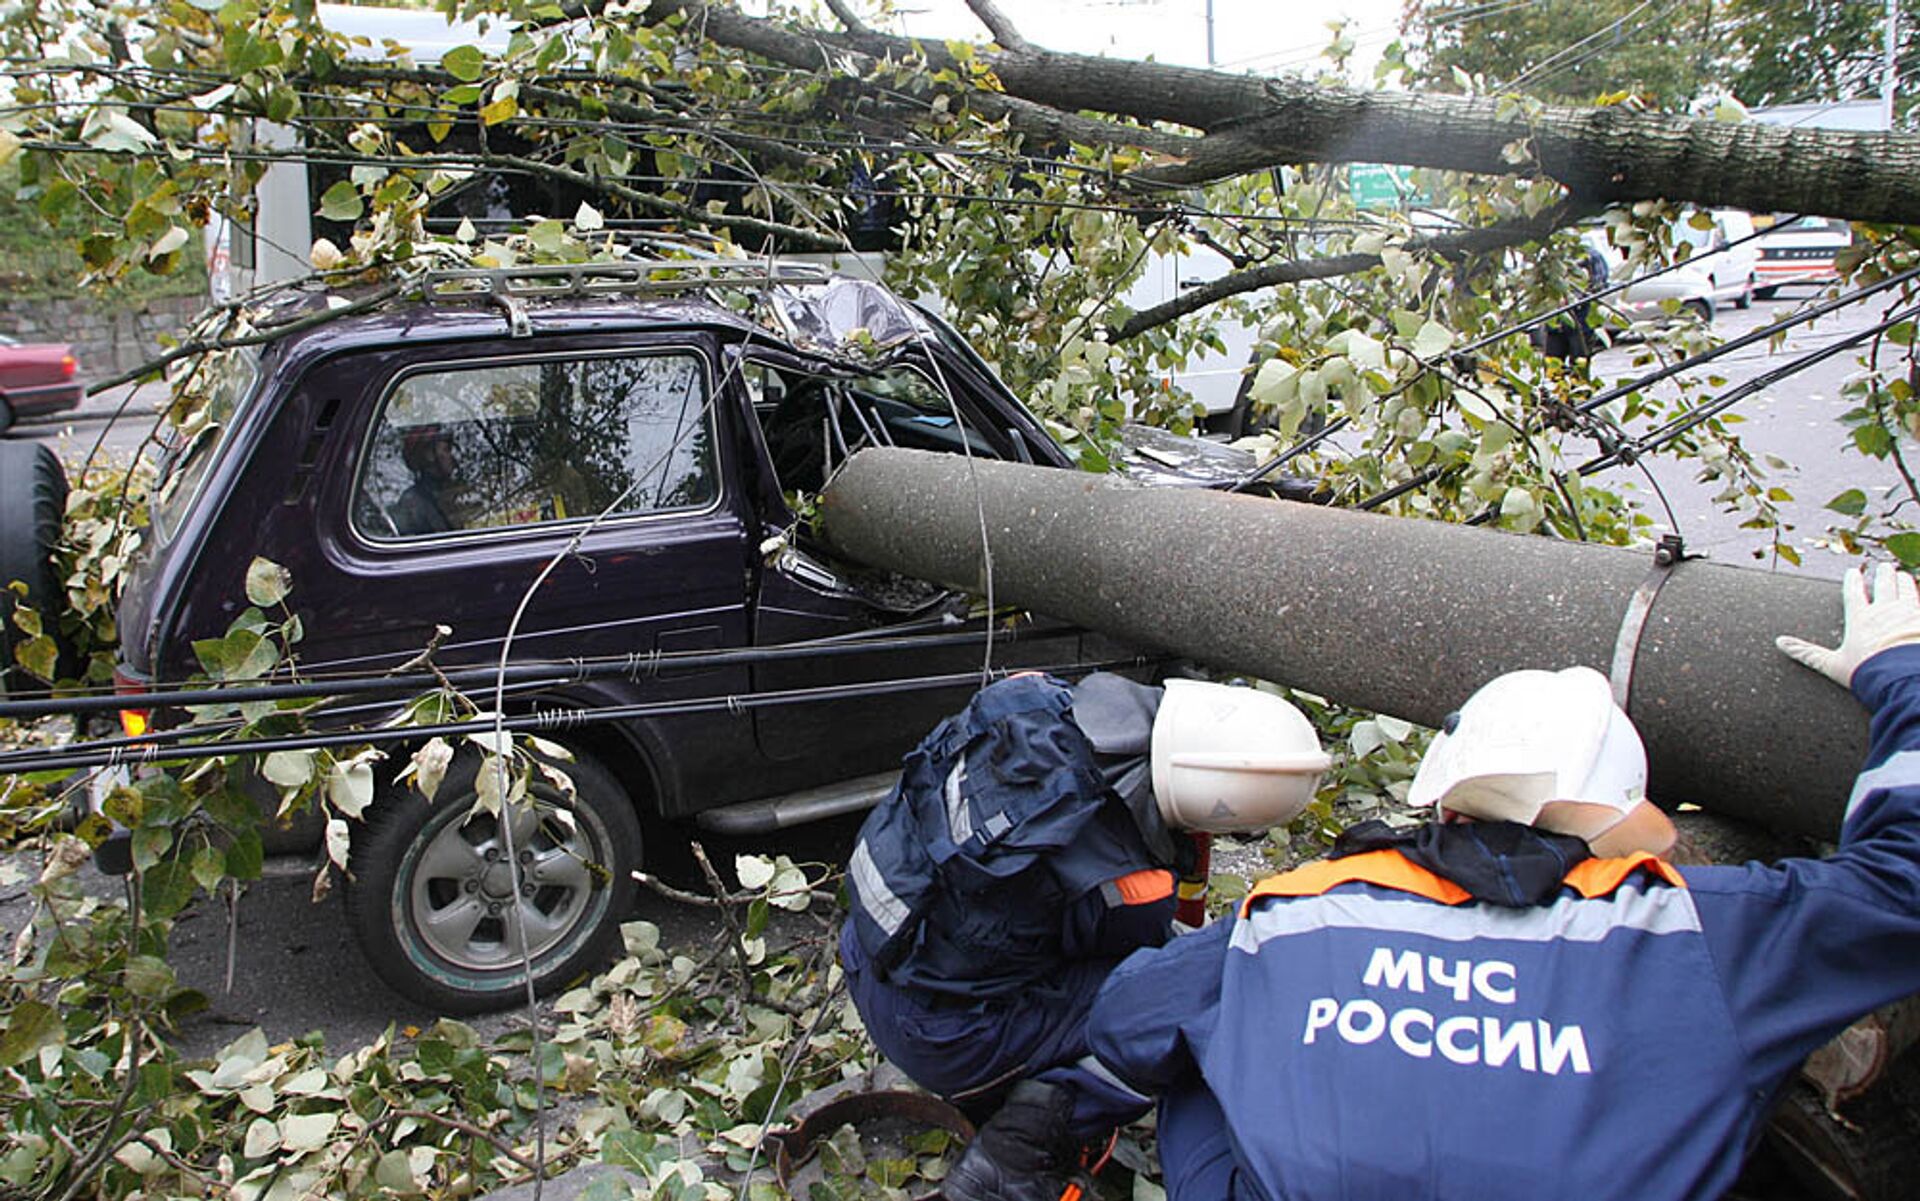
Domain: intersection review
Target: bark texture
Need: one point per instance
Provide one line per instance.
(1240, 124)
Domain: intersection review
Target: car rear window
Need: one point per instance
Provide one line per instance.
(492, 445)
(230, 378)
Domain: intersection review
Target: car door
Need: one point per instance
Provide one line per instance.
(435, 485)
(807, 421)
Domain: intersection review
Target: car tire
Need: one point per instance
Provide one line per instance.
(33, 498)
(428, 888)
(1699, 310)
(1745, 299)
(6, 415)
(1767, 292)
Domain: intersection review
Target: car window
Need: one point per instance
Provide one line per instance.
(231, 376)
(812, 424)
(509, 444)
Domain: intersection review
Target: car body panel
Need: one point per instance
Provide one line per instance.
(1802, 251)
(39, 377)
(305, 470)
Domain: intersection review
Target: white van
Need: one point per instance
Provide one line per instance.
(1720, 269)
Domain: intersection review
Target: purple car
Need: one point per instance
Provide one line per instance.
(421, 463)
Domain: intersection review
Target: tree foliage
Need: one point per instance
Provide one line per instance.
(1828, 50)
(1666, 54)
(1567, 50)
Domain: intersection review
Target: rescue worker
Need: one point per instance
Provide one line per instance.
(1029, 847)
(1521, 1000)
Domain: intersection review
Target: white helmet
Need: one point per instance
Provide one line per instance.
(1228, 759)
(1547, 749)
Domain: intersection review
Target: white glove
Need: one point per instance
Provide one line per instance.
(1891, 617)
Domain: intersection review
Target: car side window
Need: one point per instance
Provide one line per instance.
(510, 444)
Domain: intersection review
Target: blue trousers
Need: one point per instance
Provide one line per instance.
(972, 1053)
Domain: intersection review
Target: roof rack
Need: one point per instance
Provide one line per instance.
(508, 286)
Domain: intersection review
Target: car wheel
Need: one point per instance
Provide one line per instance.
(1745, 299)
(6, 415)
(430, 895)
(1698, 310)
(1768, 292)
(33, 495)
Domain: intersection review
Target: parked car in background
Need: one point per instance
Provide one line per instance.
(1719, 269)
(1801, 251)
(36, 378)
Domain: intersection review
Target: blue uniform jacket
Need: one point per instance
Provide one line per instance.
(1363, 1032)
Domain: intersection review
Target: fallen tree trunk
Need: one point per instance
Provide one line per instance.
(1397, 616)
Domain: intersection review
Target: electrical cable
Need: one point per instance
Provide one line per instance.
(1340, 423)
(543, 722)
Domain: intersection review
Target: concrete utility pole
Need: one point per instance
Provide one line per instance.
(1889, 69)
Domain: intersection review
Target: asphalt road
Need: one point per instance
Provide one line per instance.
(1796, 420)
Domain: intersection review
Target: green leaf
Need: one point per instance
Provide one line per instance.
(754, 871)
(1873, 441)
(31, 1026)
(1433, 339)
(1852, 502)
(288, 769)
(463, 95)
(267, 582)
(350, 787)
(547, 236)
(169, 886)
(1906, 548)
(342, 202)
(394, 1173)
(626, 1149)
(307, 1131)
(149, 976)
(464, 63)
(209, 867)
(150, 843)
(124, 805)
(39, 655)
(246, 856)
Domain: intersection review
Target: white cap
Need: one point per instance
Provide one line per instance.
(1229, 759)
(1547, 749)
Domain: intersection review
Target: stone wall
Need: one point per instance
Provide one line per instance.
(106, 338)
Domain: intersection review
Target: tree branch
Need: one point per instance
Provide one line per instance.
(997, 24)
(1293, 271)
(1606, 154)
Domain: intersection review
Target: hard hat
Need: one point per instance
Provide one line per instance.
(1229, 759)
(1547, 749)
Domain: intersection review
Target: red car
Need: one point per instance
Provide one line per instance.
(35, 378)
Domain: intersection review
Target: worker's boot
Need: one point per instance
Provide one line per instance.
(1023, 1154)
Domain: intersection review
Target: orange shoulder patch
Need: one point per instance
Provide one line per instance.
(1384, 869)
(1600, 877)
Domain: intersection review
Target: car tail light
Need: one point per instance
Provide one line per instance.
(135, 723)
(68, 365)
